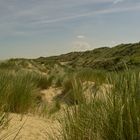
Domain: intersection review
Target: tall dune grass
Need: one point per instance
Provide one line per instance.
(88, 74)
(117, 117)
(17, 92)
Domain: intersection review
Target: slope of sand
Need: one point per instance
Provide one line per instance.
(29, 128)
(49, 94)
(32, 127)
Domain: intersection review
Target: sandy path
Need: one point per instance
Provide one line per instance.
(37, 128)
(32, 128)
(50, 93)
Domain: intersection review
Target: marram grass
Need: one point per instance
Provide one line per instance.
(117, 117)
(17, 92)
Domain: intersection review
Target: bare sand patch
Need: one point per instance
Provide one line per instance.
(29, 128)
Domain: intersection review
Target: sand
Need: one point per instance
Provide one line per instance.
(33, 127)
(29, 128)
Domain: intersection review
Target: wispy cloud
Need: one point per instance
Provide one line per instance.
(27, 18)
(118, 1)
(52, 26)
(48, 12)
(90, 14)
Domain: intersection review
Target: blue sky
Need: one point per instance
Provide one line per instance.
(33, 28)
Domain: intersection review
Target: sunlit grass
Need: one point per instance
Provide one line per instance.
(117, 117)
(17, 92)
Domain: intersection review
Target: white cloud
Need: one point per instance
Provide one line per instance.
(81, 46)
(80, 36)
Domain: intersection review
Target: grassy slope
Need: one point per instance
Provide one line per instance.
(101, 58)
